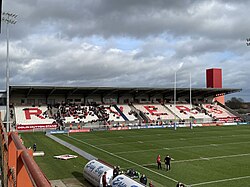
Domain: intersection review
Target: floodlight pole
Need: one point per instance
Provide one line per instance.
(8, 18)
(190, 91)
(174, 88)
(180, 65)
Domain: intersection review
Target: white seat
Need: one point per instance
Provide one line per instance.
(155, 111)
(31, 115)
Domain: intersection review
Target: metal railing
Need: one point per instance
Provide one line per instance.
(18, 166)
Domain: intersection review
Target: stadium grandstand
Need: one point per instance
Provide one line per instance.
(60, 107)
(69, 108)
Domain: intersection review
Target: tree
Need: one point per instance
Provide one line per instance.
(235, 103)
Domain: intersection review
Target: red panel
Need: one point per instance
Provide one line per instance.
(214, 78)
(209, 75)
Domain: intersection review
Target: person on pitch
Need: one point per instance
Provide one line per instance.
(158, 161)
(167, 161)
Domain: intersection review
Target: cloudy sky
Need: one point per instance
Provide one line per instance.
(127, 43)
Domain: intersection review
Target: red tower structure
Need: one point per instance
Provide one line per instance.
(214, 80)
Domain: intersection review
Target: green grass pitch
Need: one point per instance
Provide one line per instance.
(204, 156)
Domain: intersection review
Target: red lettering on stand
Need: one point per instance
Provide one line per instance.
(121, 108)
(114, 112)
(153, 110)
(186, 109)
(33, 111)
(213, 109)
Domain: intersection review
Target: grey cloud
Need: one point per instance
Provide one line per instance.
(133, 18)
(72, 62)
(50, 42)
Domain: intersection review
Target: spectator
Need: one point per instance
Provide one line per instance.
(179, 184)
(151, 184)
(104, 179)
(34, 147)
(143, 179)
(115, 172)
(118, 168)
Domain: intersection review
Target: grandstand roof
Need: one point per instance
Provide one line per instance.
(105, 91)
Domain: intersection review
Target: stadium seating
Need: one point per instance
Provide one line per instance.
(79, 114)
(185, 112)
(3, 112)
(32, 115)
(155, 112)
(119, 114)
(127, 112)
(218, 112)
(113, 114)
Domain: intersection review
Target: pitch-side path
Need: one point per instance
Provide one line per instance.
(73, 148)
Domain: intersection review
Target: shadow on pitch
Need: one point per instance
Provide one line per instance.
(80, 178)
(153, 167)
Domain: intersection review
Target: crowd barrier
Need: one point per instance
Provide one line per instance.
(148, 126)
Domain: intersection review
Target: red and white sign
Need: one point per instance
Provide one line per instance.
(65, 157)
(79, 130)
(211, 124)
(118, 128)
(37, 126)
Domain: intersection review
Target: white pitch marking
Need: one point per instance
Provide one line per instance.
(204, 158)
(111, 144)
(182, 147)
(214, 144)
(134, 163)
(94, 138)
(217, 181)
(148, 141)
(137, 136)
(140, 142)
(139, 151)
